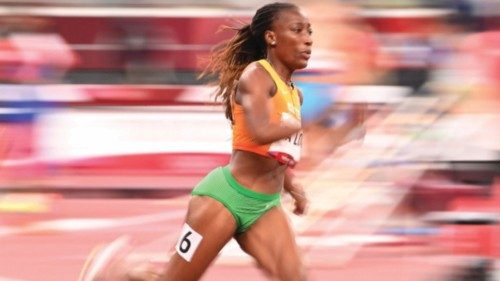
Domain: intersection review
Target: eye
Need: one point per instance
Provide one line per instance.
(310, 31)
(297, 29)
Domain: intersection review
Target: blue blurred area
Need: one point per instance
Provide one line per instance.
(318, 98)
(18, 103)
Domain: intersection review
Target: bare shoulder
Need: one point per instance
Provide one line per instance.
(255, 78)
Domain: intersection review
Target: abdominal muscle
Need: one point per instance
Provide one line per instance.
(257, 172)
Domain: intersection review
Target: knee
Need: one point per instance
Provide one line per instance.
(293, 273)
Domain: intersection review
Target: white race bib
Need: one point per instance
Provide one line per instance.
(188, 242)
(287, 151)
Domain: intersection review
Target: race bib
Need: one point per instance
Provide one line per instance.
(188, 242)
(287, 151)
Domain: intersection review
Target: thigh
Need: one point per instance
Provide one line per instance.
(271, 241)
(216, 225)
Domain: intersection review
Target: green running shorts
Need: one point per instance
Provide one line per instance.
(245, 205)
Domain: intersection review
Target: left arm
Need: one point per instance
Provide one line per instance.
(297, 192)
(295, 189)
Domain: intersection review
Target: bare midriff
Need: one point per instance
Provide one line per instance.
(257, 172)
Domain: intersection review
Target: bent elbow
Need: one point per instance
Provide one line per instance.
(261, 139)
(261, 136)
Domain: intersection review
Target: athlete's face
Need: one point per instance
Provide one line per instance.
(290, 36)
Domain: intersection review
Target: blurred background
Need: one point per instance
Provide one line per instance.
(105, 128)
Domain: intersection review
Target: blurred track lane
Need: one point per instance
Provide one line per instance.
(58, 254)
(56, 242)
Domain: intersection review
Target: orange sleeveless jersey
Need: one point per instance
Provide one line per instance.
(285, 100)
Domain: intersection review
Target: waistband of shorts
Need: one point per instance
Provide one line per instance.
(245, 191)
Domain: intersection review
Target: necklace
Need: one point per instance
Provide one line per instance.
(292, 107)
(288, 83)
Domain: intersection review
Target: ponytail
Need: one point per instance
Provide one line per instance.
(229, 59)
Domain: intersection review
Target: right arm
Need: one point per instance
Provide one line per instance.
(254, 91)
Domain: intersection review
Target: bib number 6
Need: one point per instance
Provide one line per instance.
(188, 242)
(185, 243)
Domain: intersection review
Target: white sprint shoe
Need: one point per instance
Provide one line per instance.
(102, 259)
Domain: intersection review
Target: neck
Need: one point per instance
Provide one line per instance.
(284, 73)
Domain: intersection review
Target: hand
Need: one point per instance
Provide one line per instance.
(301, 201)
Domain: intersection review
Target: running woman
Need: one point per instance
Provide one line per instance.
(242, 200)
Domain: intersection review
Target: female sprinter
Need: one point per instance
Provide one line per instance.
(242, 199)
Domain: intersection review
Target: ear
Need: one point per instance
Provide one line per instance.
(270, 37)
